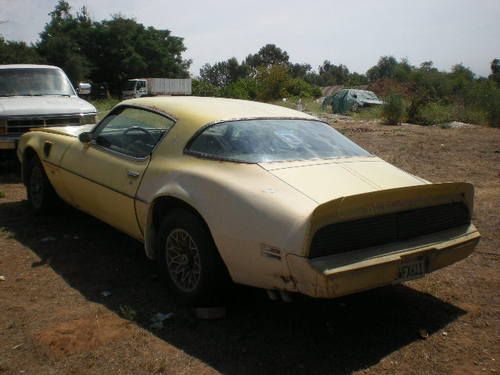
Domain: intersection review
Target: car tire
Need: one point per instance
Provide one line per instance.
(190, 261)
(41, 195)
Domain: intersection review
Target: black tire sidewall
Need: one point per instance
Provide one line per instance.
(212, 274)
(48, 193)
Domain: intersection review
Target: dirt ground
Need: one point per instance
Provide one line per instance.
(54, 318)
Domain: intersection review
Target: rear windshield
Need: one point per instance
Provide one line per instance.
(257, 141)
(34, 82)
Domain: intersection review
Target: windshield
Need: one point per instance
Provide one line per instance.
(34, 82)
(256, 141)
(129, 85)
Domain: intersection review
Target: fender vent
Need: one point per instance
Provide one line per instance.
(380, 230)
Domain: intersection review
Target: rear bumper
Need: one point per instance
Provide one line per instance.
(334, 276)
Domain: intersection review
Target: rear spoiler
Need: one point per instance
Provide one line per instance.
(388, 201)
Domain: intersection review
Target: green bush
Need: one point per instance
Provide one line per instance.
(493, 108)
(435, 113)
(245, 88)
(204, 88)
(299, 87)
(477, 116)
(394, 109)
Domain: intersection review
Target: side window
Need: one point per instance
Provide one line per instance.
(132, 131)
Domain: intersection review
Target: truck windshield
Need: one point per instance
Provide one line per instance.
(34, 82)
(257, 141)
(129, 86)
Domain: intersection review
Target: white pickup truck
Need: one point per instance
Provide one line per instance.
(34, 96)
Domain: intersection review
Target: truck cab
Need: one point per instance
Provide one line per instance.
(37, 96)
(135, 88)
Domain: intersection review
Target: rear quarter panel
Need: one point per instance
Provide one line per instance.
(245, 208)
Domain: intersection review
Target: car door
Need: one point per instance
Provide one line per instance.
(103, 175)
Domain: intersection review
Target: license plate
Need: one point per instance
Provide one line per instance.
(411, 270)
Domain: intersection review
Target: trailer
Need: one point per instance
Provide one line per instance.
(139, 87)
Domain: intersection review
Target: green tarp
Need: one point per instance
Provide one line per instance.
(347, 100)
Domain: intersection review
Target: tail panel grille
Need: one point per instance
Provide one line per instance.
(379, 230)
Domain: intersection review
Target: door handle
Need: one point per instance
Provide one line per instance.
(133, 174)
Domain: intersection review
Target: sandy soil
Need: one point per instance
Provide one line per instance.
(54, 318)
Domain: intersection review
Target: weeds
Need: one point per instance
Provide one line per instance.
(127, 312)
(5, 233)
(103, 106)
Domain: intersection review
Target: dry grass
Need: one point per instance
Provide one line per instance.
(54, 318)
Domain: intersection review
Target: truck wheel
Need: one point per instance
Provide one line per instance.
(189, 260)
(41, 194)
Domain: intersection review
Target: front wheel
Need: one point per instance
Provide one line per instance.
(189, 259)
(41, 194)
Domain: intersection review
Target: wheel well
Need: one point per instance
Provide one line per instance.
(28, 155)
(164, 204)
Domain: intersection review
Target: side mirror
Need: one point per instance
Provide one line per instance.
(84, 88)
(85, 137)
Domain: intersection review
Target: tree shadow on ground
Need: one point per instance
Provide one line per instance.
(258, 336)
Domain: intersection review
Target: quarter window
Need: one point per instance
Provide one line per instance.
(132, 131)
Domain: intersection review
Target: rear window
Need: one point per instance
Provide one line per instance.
(257, 141)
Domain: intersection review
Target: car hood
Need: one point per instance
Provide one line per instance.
(325, 180)
(43, 105)
(71, 131)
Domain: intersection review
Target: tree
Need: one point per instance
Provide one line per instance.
(271, 82)
(224, 73)
(495, 71)
(18, 53)
(331, 74)
(268, 56)
(299, 70)
(109, 51)
(60, 41)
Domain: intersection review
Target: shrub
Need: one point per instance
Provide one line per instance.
(435, 113)
(245, 88)
(493, 107)
(394, 109)
(299, 87)
(204, 88)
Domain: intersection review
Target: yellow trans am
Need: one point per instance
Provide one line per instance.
(223, 190)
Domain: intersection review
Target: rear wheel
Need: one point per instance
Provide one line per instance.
(41, 194)
(189, 259)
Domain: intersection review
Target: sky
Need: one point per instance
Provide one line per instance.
(353, 33)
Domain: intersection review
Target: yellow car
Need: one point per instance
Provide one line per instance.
(223, 190)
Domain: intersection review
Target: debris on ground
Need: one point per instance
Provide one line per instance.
(2, 278)
(423, 333)
(159, 318)
(105, 293)
(456, 125)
